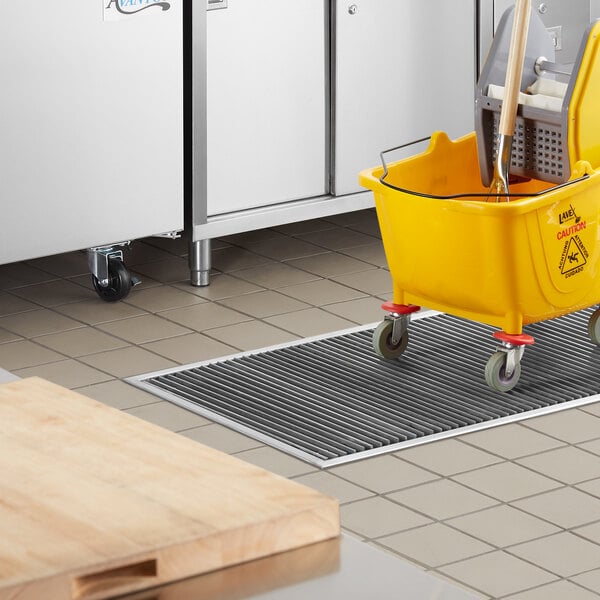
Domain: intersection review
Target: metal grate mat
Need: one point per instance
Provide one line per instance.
(330, 399)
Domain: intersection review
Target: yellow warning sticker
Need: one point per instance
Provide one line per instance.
(574, 256)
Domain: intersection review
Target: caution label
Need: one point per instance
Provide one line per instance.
(574, 257)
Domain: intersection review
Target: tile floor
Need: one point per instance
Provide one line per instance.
(510, 512)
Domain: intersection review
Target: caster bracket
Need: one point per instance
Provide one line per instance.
(98, 262)
(399, 315)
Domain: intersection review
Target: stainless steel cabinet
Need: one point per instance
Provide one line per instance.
(266, 103)
(403, 69)
(292, 99)
(91, 125)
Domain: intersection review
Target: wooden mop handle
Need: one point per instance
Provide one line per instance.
(514, 68)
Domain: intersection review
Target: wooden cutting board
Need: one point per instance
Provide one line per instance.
(96, 503)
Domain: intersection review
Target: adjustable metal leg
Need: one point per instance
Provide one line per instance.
(200, 263)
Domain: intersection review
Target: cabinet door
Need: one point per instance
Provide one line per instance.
(403, 69)
(266, 103)
(91, 125)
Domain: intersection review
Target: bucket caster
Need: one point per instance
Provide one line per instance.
(503, 369)
(594, 327)
(111, 279)
(390, 337)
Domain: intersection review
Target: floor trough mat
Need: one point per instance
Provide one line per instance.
(330, 400)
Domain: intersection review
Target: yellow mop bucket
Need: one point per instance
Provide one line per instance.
(503, 264)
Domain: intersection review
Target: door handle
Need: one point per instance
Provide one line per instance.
(215, 4)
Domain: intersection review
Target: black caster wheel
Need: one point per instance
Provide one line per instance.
(119, 282)
(495, 373)
(382, 341)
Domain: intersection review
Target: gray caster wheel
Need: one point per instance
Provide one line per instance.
(495, 373)
(382, 341)
(594, 327)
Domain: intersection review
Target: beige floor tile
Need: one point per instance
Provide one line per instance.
(68, 373)
(166, 271)
(506, 481)
(362, 311)
(202, 317)
(144, 329)
(275, 461)
(126, 362)
(162, 298)
(511, 441)
(448, 457)
(284, 248)
(559, 590)
(37, 322)
(593, 446)
(167, 415)
(593, 408)
(95, 311)
(566, 507)
(53, 293)
(178, 246)
(383, 474)
(15, 275)
(435, 545)
(377, 517)
(321, 292)
(251, 237)
(332, 485)
(568, 464)
(369, 226)
(498, 574)
(309, 322)
(355, 216)
(264, 304)
(301, 227)
(457, 584)
(221, 286)
(275, 276)
(590, 532)
(8, 336)
(375, 281)
(233, 258)
(337, 239)
(191, 348)
(251, 335)
(11, 304)
(572, 426)
(118, 394)
(589, 580)
(221, 438)
(23, 353)
(79, 342)
(140, 252)
(373, 254)
(330, 264)
(68, 264)
(563, 553)
(503, 526)
(591, 487)
(442, 499)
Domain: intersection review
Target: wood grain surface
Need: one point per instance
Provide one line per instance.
(95, 503)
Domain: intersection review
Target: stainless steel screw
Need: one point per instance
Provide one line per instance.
(543, 8)
(353, 9)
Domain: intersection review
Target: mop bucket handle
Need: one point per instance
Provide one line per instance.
(484, 195)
